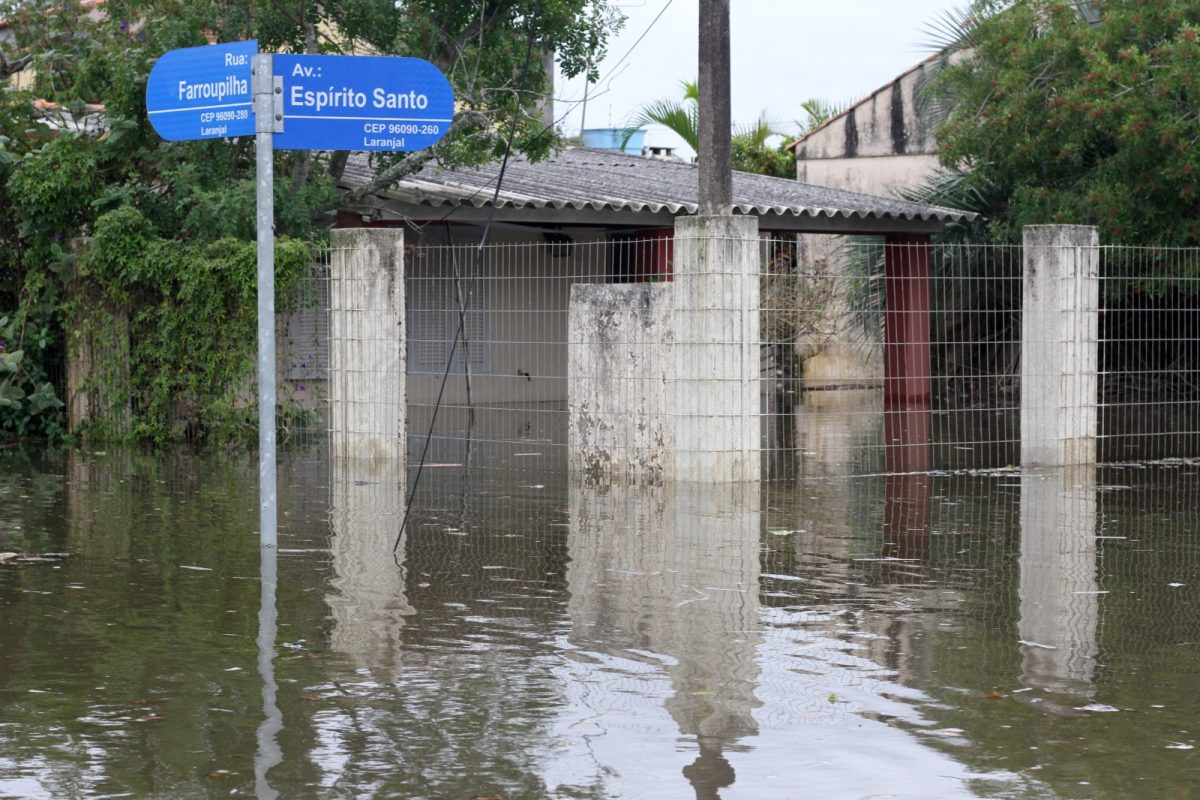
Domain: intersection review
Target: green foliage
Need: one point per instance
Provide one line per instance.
(172, 224)
(750, 147)
(1083, 118)
(763, 159)
(681, 117)
(192, 340)
(818, 111)
(28, 401)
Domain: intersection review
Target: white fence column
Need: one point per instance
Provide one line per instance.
(1060, 345)
(366, 352)
(717, 364)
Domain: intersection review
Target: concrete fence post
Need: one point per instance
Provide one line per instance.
(1060, 345)
(366, 348)
(717, 359)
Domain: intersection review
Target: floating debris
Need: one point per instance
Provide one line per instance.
(32, 558)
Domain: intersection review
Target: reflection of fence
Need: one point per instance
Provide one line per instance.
(839, 357)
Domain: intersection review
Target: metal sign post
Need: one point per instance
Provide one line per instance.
(265, 126)
(337, 103)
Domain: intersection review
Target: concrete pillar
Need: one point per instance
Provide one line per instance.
(366, 348)
(907, 364)
(1059, 345)
(619, 371)
(717, 364)
(906, 361)
(1059, 591)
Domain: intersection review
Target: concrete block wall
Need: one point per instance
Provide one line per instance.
(619, 385)
(664, 378)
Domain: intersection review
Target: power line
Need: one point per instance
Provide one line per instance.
(465, 303)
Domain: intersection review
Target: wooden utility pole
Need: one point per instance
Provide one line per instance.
(716, 176)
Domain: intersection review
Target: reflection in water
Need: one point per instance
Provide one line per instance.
(269, 753)
(369, 605)
(837, 433)
(906, 517)
(670, 574)
(1060, 602)
(606, 643)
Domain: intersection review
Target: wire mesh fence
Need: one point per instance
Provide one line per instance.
(847, 356)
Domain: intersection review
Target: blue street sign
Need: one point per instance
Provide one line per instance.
(362, 103)
(202, 92)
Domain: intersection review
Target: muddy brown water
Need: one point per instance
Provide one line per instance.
(990, 635)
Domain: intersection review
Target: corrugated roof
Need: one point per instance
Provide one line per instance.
(599, 180)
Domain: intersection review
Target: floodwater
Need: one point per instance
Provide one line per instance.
(996, 634)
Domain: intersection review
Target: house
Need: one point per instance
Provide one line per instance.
(882, 143)
(582, 216)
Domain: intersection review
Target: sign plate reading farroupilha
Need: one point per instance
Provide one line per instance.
(202, 92)
(362, 103)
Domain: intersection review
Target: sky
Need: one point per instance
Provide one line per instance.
(783, 52)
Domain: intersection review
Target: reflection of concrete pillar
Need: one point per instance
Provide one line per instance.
(906, 440)
(717, 354)
(1060, 345)
(366, 348)
(1060, 606)
(369, 604)
(98, 492)
(673, 571)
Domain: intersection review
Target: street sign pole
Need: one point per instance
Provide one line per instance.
(263, 91)
(335, 103)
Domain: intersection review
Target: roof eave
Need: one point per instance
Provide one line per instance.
(784, 221)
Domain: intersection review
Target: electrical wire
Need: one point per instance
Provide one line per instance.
(609, 76)
(458, 334)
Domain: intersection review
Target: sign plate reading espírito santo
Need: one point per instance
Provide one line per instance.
(362, 103)
(202, 92)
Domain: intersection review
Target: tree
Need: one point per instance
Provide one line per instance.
(750, 147)
(1065, 115)
(681, 117)
(1066, 111)
(79, 158)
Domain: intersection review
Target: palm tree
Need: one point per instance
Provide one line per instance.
(817, 112)
(682, 117)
